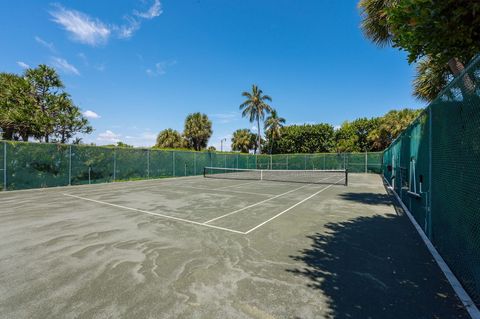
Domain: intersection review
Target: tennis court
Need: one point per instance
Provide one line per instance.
(196, 247)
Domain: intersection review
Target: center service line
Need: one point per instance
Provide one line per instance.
(291, 207)
(261, 202)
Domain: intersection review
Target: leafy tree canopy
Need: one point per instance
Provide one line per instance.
(170, 138)
(243, 140)
(36, 105)
(198, 130)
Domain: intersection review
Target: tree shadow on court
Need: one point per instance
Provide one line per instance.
(368, 198)
(376, 267)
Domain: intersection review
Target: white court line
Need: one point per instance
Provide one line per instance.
(291, 207)
(261, 202)
(237, 185)
(154, 214)
(447, 272)
(221, 190)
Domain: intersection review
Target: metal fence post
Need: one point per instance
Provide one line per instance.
(366, 162)
(173, 160)
(271, 162)
(148, 164)
(195, 163)
(70, 165)
(5, 166)
(287, 161)
(305, 161)
(429, 203)
(114, 164)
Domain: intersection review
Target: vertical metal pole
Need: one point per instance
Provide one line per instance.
(429, 203)
(256, 161)
(238, 157)
(247, 161)
(148, 164)
(173, 160)
(225, 160)
(287, 161)
(305, 161)
(195, 163)
(324, 160)
(89, 173)
(114, 164)
(70, 165)
(5, 166)
(366, 162)
(185, 174)
(271, 162)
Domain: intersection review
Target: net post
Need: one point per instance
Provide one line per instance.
(204, 172)
(346, 177)
(4, 166)
(69, 165)
(114, 164)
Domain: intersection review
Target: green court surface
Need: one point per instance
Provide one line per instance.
(216, 248)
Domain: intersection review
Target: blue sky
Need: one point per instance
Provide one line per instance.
(139, 66)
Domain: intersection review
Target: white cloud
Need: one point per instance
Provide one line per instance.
(92, 31)
(127, 30)
(48, 45)
(81, 27)
(154, 11)
(253, 129)
(91, 115)
(109, 136)
(160, 68)
(63, 65)
(23, 65)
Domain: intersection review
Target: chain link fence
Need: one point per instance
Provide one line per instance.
(434, 167)
(37, 165)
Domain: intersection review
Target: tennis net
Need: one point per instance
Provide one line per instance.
(292, 176)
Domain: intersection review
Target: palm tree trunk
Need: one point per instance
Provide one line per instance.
(259, 137)
(456, 67)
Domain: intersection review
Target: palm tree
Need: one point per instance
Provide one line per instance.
(242, 140)
(198, 129)
(432, 76)
(273, 126)
(255, 107)
(169, 138)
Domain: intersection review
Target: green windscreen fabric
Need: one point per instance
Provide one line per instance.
(434, 166)
(3, 175)
(90, 164)
(36, 165)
